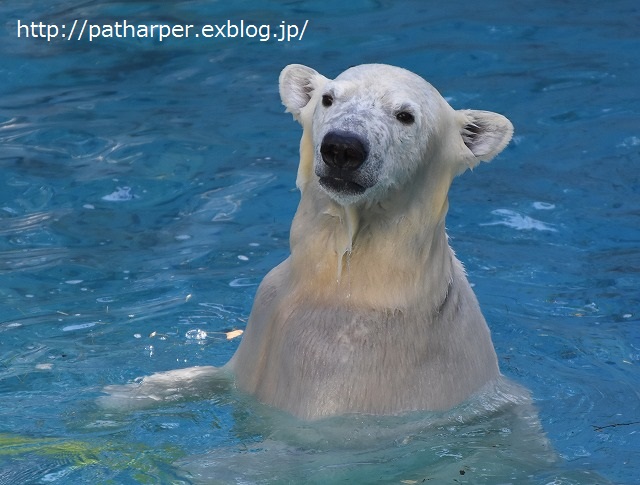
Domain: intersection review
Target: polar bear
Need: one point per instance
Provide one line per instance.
(372, 312)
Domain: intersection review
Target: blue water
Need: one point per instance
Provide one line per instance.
(146, 187)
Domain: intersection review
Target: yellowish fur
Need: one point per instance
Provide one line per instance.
(371, 312)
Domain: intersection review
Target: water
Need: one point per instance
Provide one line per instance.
(147, 187)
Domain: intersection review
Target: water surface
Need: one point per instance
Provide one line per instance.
(147, 187)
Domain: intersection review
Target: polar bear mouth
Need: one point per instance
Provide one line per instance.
(341, 186)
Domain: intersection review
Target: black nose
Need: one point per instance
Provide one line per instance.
(343, 150)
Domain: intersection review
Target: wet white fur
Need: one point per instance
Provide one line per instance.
(372, 312)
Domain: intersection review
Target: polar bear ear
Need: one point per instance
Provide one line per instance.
(484, 133)
(297, 86)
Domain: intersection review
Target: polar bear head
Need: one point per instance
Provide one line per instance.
(376, 127)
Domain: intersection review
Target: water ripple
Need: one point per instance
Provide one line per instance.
(31, 259)
(29, 222)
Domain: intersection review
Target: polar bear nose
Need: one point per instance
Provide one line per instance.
(343, 151)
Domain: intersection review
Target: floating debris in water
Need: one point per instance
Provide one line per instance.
(161, 336)
(233, 334)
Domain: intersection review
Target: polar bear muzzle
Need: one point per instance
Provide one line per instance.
(343, 153)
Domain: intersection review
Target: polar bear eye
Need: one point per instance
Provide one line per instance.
(405, 117)
(327, 100)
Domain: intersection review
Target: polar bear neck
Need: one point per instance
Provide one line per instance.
(348, 223)
(356, 254)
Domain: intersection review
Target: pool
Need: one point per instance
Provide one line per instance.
(148, 185)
